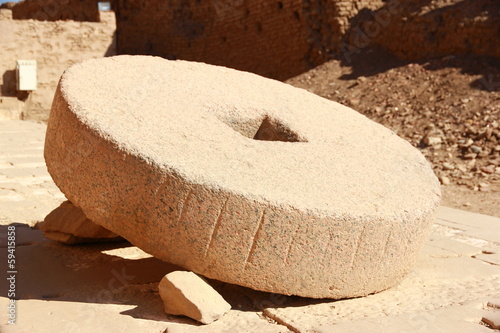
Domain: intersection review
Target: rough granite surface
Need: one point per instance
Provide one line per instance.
(240, 178)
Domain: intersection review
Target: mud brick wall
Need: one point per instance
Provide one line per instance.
(281, 39)
(419, 29)
(55, 46)
(278, 39)
(53, 10)
(266, 37)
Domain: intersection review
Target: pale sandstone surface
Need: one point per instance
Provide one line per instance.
(457, 319)
(68, 224)
(161, 153)
(27, 192)
(112, 288)
(187, 294)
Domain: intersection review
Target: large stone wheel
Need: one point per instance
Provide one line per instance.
(240, 178)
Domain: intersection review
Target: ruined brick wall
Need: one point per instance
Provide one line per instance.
(54, 10)
(55, 46)
(281, 39)
(420, 29)
(278, 39)
(266, 37)
(7, 5)
(348, 9)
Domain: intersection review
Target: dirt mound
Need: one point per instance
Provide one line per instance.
(447, 107)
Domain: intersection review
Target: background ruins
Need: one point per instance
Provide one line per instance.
(277, 39)
(55, 45)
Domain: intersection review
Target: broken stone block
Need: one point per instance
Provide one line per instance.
(187, 294)
(68, 224)
(492, 319)
(240, 178)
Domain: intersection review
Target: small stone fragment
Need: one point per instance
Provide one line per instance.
(492, 319)
(445, 180)
(488, 133)
(448, 166)
(468, 143)
(484, 187)
(494, 303)
(432, 140)
(488, 169)
(187, 294)
(475, 149)
(470, 156)
(471, 164)
(68, 224)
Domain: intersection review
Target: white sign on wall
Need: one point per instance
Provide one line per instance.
(26, 75)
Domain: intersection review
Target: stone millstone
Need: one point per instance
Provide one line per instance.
(240, 178)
